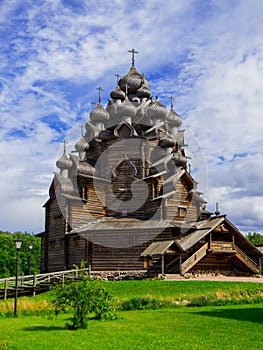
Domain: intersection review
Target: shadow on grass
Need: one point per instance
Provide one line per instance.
(44, 328)
(249, 315)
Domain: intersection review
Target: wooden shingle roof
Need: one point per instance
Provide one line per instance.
(157, 248)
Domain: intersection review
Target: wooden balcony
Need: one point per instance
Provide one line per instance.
(222, 247)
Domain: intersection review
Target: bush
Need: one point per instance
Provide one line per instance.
(143, 304)
(83, 298)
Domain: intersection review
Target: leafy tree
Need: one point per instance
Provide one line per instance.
(8, 253)
(83, 298)
(255, 238)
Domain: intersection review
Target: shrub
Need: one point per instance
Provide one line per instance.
(82, 297)
(143, 304)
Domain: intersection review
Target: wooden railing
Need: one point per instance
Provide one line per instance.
(33, 283)
(246, 260)
(190, 262)
(221, 246)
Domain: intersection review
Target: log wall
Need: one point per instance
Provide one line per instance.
(55, 247)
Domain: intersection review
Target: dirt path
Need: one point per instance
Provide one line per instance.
(223, 279)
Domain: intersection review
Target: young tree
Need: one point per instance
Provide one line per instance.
(83, 298)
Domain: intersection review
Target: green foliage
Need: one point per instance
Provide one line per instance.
(255, 238)
(8, 253)
(144, 304)
(83, 297)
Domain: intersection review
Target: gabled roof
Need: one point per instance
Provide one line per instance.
(157, 248)
(202, 229)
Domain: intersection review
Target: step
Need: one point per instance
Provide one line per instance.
(173, 276)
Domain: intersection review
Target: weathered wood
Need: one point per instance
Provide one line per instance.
(190, 262)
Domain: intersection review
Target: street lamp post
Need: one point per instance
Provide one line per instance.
(18, 242)
(30, 247)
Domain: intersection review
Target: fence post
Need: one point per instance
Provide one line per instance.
(34, 284)
(22, 279)
(5, 292)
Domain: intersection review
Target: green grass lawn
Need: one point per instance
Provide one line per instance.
(236, 327)
(179, 289)
(225, 327)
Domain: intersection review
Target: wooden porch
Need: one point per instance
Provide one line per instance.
(226, 249)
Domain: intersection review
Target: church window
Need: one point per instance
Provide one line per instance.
(181, 211)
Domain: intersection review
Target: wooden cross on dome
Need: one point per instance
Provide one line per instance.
(133, 52)
(172, 102)
(100, 89)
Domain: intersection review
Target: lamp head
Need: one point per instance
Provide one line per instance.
(18, 242)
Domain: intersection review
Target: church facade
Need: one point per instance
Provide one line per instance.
(124, 198)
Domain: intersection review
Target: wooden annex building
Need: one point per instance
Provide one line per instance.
(125, 199)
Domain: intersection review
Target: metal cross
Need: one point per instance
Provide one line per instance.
(172, 100)
(132, 51)
(100, 89)
(118, 77)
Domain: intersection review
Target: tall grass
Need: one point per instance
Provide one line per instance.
(26, 306)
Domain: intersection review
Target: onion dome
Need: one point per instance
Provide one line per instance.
(112, 108)
(99, 114)
(156, 110)
(127, 109)
(143, 91)
(64, 162)
(133, 80)
(82, 145)
(117, 94)
(173, 118)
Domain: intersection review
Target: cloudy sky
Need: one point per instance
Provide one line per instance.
(207, 54)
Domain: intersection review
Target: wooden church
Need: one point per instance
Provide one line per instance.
(125, 200)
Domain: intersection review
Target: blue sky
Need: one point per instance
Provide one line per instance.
(207, 54)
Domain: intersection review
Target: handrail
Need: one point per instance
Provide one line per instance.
(247, 260)
(32, 281)
(44, 275)
(193, 259)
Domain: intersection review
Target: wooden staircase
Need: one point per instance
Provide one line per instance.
(247, 261)
(190, 262)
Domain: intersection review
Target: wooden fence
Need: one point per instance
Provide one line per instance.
(36, 283)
